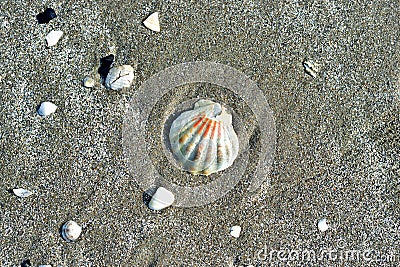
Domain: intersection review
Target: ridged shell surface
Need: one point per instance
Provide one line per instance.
(203, 139)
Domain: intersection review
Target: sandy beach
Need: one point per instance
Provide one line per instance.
(336, 142)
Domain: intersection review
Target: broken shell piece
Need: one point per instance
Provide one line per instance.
(161, 199)
(311, 67)
(152, 22)
(71, 231)
(20, 192)
(88, 82)
(322, 225)
(120, 77)
(235, 231)
(44, 266)
(53, 37)
(46, 108)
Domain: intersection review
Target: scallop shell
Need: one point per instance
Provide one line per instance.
(71, 231)
(203, 139)
(120, 77)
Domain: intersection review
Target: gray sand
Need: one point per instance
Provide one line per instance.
(337, 151)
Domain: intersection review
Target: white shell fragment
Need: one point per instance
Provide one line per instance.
(152, 22)
(71, 231)
(120, 77)
(53, 37)
(322, 225)
(44, 266)
(235, 231)
(311, 67)
(46, 108)
(88, 82)
(161, 199)
(20, 192)
(203, 140)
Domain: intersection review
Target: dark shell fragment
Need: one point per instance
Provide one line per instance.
(105, 65)
(46, 16)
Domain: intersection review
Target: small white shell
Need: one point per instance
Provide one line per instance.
(46, 265)
(120, 77)
(161, 199)
(53, 37)
(22, 192)
(46, 108)
(322, 225)
(311, 67)
(203, 140)
(152, 22)
(71, 231)
(88, 82)
(235, 231)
